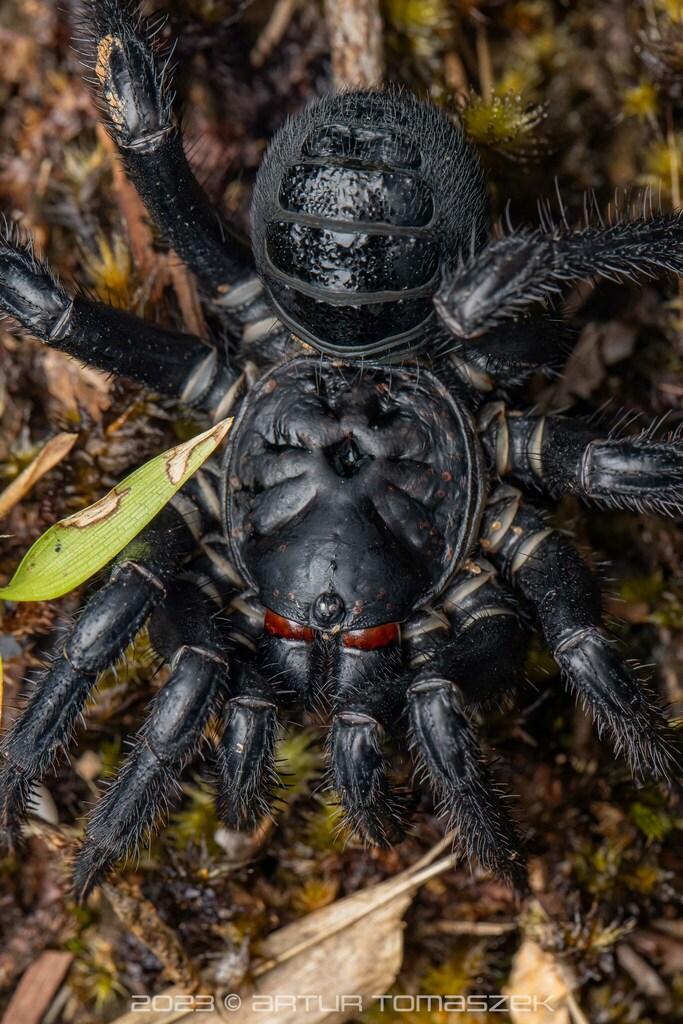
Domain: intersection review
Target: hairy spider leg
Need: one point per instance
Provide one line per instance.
(509, 274)
(109, 622)
(508, 353)
(184, 630)
(246, 751)
(557, 456)
(553, 577)
(359, 773)
(448, 748)
(181, 365)
(368, 696)
(138, 100)
(466, 652)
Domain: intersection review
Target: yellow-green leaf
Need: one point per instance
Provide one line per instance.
(76, 547)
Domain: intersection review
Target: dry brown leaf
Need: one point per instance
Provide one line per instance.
(584, 371)
(535, 976)
(76, 388)
(340, 972)
(618, 341)
(47, 458)
(352, 948)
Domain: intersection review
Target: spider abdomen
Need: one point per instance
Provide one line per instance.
(358, 195)
(350, 209)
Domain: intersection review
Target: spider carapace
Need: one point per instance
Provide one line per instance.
(362, 549)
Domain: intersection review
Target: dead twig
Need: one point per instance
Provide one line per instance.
(37, 988)
(479, 928)
(273, 33)
(356, 43)
(140, 918)
(185, 288)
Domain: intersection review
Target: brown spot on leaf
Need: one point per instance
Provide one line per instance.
(179, 457)
(101, 510)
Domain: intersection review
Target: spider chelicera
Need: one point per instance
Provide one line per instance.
(359, 549)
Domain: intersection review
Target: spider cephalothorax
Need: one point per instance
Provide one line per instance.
(355, 553)
(367, 486)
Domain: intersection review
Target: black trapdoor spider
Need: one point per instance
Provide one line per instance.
(355, 537)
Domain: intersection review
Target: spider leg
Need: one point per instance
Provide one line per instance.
(448, 748)
(169, 361)
(564, 594)
(169, 737)
(369, 689)
(245, 754)
(468, 651)
(509, 274)
(507, 353)
(245, 762)
(556, 455)
(474, 636)
(138, 100)
(359, 775)
(109, 622)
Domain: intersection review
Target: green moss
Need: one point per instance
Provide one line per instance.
(467, 969)
(641, 101)
(324, 830)
(646, 589)
(196, 823)
(95, 978)
(299, 761)
(505, 123)
(652, 818)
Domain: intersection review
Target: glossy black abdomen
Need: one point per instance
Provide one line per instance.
(360, 200)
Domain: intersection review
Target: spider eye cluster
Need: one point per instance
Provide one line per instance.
(359, 201)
